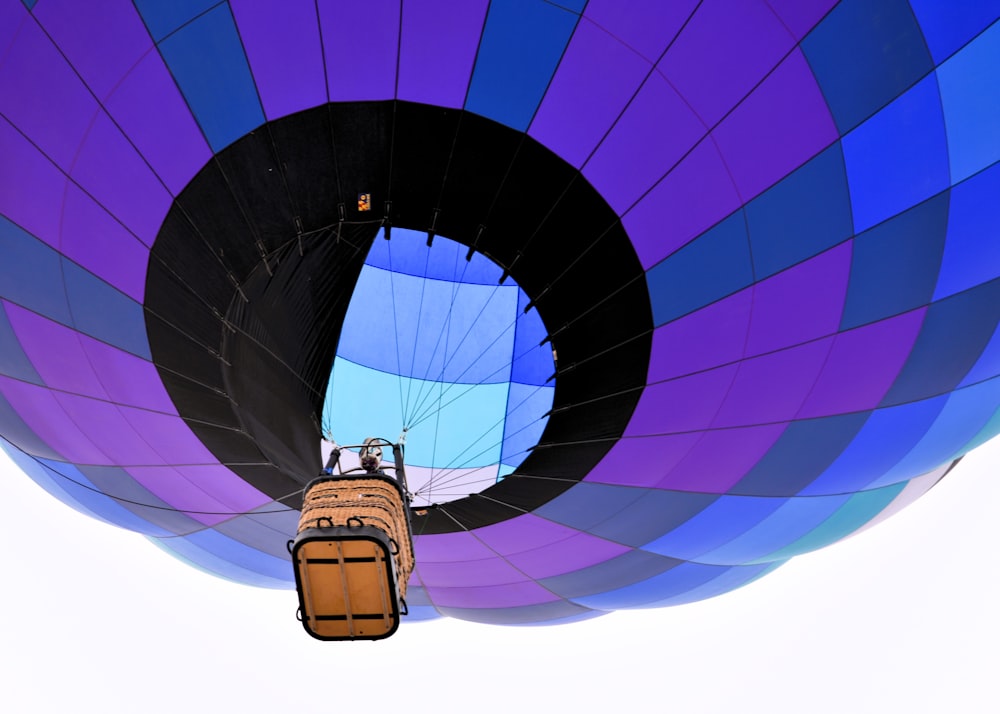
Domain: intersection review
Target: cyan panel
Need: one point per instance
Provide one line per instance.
(801, 216)
(164, 16)
(899, 157)
(970, 94)
(972, 250)
(885, 54)
(709, 268)
(954, 335)
(949, 25)
(219, 555)
(894, 265)
(104, 313)
(803, 451)
(207, 60)
(521, 46)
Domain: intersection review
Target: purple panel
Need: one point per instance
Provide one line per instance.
(655, 132)
(360, 41)
(128, 380)
(512, 595)
(281, 40)
(438, 50)
(200, 488)
(800, 16)
(33, 187)
(721, 458)
(642, 461)
(784, 123)
(90, 236)
(56, 353)
(465, 573)
(522, 533)
(12, 16)
(803, 303)
(102, 39)
(109, 169)
(680, 405)
(448, 548)
(43, 97)
(647, 26)
(150, 110)
(580, 551)
(723, 52)
(712, 336)
(691, 199)
(110, 429)
(863, 365)
(596, 79)
(170, 435)
(772, 388)
(38, 407)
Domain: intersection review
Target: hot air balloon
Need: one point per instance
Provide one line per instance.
(663, 293)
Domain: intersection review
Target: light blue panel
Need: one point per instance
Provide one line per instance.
(532, 360)
(859, 509)
(30, 273)
(90, 498)
(949, 25)
(504, 471)
(216, 554)
(712, 266)
(967, 411)
(13, 361)
(803, 215)
(887, 436)
(796, 517)
(408, 253)
(526, 407)
(972, 249)
(970, 92)
(730, 579)
(521, 46)
(989, 431)
(430, 329)
(104, 312)
(207, 61)
(466, 432)
(673, 583)
(897, 158)
(164, 16)
(729, 517)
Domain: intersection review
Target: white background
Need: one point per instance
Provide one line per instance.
(901, 618)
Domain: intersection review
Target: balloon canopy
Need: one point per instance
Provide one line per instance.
(673, 291)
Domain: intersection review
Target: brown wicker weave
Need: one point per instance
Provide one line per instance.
(375, 502)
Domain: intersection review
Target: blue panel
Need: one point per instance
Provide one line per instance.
(20, 435)
(803, 215)
(408, 253)
(546, 613)
(730, 579)
(651, 516)
(30, 274)
(967, 411)
(793, 520)
(949, 25)
(864, 54)
(895, 264)
(208, 63)
(803, 451)
(726, 519)
(521, 46)
(105, 313)
(30, 4)
(93, 500)
(899, 157)
(216, 554)
(13, 362)
(970, 93)
(526, 405)
(856, 512)
(673, 583)
(532, 360)
(954, 335)
(164, 16)
(972, 251)
(625, 569)
(886, 437)
(709, 268)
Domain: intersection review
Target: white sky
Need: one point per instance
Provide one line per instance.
(902, 618)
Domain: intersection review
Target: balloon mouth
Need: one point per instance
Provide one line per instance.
(255, 265)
